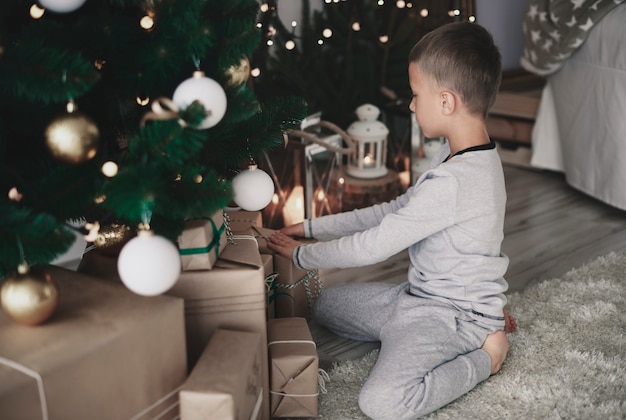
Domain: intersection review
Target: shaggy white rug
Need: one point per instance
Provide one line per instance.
(567, 359)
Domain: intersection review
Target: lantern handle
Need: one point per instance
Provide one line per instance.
(332, 127)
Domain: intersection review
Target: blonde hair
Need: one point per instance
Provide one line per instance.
(462, 57)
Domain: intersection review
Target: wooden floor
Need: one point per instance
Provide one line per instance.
(549, 229)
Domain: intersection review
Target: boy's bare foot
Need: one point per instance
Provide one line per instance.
(497, 346)
(510, 324)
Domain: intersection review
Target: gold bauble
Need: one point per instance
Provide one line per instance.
(238, 74)
(73, 138)
(112, 238)
(29, 297)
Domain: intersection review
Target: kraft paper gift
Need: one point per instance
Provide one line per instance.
(201, 242)
(106, 353)
(270, 277)
(243, 220)
(95, 263)
(293, 368)
(226, 383)
(296, 289)
(232, 295)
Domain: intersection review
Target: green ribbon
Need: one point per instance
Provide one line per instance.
(215, 243)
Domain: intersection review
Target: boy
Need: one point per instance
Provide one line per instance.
(440, 331)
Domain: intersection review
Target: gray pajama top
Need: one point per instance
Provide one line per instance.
(451, 221)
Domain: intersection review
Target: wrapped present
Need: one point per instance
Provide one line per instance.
(270, 282)
(201, 242)
(242, 220)
(98, 264)
(226, 383)
(232, 295)
(106, 353)
(293, 368)
(295, 289)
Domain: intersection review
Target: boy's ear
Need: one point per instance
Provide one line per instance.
(448, 102)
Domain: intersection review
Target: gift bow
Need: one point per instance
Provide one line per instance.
(215, 242)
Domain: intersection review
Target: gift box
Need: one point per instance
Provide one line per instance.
(293, 368)
(201, 242)
(106, 353)
(295, 289)
(243, 220)
(232, 295)
(226, 383)
(270, 282)
(97, 264)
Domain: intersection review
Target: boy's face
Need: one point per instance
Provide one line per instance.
(425, 103)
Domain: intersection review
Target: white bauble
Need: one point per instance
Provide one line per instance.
(253, 189)
(61, 6)
(149, 264)
(206, 91)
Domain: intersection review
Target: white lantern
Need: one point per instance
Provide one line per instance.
(370, 139)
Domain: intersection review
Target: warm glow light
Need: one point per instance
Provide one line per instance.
(400, 4)
(99, 64)
(472, 19)
(70, 106)
(142, 101)
(293, 212)
(197, 179)
(341, 181)
(290, 45)
(146, 22)
(424, 12)
(327, 33)
(259, 25)
(264, 7)
(109, 169)
(270, 42)
(271, 30)
(320, 195)
(255, 72)
(320, 42)
(294, 23)
(384, 38)
(36, 12)
(381, 2)
(356, 26)
(275, 199)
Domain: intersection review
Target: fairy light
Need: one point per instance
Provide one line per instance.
(290, 45)
(275, 199)
(255, 72)
(327, 33)
(294, 23)
(424, 13)
(142, 101)
(320, 42)
(259, 25)
(381, 2)
(264, 7)
(36, 12)
(269, 42)
(70, 106)
(197, 179)
(400, 4)
(109, 169)
(472, 19)
(146, 22)
(384, 39)
(356, 26)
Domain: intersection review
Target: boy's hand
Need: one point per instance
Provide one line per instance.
(295, 230)
(282, 244)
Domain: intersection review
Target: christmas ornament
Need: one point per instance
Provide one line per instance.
(253, 189)
(149, 264)
(238, 74)
(29, 297)
(72, 138)
(112, 238)
(61, 6)
(206, 91)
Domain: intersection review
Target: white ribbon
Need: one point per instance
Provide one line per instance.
(36, 376)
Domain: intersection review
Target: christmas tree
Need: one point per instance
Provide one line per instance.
(91, 131)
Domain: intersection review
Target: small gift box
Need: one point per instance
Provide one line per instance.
(243, 220)
(227, 382)
(293, 368)
(295, 289)
(270, 283)
(201, 242)
(106, 353)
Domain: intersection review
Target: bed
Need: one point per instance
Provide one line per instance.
(580, 128)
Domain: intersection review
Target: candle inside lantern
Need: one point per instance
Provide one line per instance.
(293, 212)
(368, 161)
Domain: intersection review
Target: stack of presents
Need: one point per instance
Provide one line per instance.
(230, 340)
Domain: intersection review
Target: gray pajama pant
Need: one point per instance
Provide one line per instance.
(430, 352)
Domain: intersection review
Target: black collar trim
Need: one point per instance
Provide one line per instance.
(489, 146)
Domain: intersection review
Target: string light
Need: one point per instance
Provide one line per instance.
(109, 169)
(320, 42)
(472, 19)
(255, 72)
(36, 12)
(142, 101)
(384, 39)
(290, 45)
(400, 4)
(424, 12)
(269, 42)
(327, 33)
(356, 26)
(264, 7)
(147, 22)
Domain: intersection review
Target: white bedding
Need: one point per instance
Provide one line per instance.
(580, 128)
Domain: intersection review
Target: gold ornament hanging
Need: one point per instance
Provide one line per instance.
(237, 75)
(72, 138)
(30, 296)
(112, 238)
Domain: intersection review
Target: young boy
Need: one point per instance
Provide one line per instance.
(440, 331)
